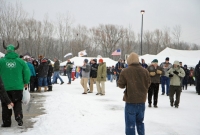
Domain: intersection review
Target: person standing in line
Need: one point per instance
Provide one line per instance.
(101, 78)
(85, 75)
(69, 67)
(56, 70)
(136, 81)
(49, 75)
(164, 79)
(33, 74)
(118, 68)
(15, 75)
(42, 75)
(175, 73)
(35, 64)
(197, 77)
(93, 74)
(185, 79)
(155, 72)
(191, 77)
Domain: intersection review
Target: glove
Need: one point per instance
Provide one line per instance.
(170, 75)
(152, 73)
(159, 72)
(175, 72)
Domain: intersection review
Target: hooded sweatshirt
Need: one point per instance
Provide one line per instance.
(14, 72)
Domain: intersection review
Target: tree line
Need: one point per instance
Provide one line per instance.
(55, 39)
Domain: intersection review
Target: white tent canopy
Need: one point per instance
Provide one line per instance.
(188, 57)
(78, 61)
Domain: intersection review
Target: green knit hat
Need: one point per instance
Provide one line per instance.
(155, 61)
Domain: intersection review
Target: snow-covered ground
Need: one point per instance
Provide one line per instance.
(68, 112)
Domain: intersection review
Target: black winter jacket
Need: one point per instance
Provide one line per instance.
(43, 69)
(94, 68)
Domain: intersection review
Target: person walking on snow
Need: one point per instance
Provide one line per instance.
(136, 80)
(164, 79)
(155, 72)
(175, 73)
(93, 74)
(15, 75)
(56, 70)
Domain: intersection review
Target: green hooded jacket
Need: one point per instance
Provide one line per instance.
(14, 72)
(101, 72)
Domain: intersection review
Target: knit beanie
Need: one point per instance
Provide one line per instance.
(101, 60)
(155, 61)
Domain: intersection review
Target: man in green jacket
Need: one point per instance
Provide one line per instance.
(101, 77)
(176, 73)
(15, 75)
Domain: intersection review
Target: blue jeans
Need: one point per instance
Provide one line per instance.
(55, 76)
(49, 80)
(77, 74)
(111, 78)
(69, 75)
(134, 116)
(108, 76)
(165, 81)
(42, 81)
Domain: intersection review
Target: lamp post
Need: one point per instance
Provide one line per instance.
(142, 12)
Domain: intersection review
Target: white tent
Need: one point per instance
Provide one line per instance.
(78, 61)
(188, 57)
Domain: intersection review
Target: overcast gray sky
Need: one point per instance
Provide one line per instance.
(158, 13)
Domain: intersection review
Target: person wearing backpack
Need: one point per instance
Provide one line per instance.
(85, 75)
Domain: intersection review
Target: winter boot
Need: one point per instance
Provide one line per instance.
(49, 88)
(39, 89)
(149, 105)
(45, 89)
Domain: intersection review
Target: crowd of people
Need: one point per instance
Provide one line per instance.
(140, 81)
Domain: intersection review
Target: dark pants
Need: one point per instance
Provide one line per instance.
(153, 91)
(16, 97)
(69, 77)
(175, 90)
(36, 83)
(165, 81)
(185, 83)
(32, 83)
(134, 116)
(117, 78)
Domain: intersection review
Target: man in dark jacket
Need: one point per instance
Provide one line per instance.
(136, 80)
(118, 68)
(185, 79)
(56, 70)
(42, 75)
(197, 77)
(69, 67)
(50, 72)
(15, 75)
(155, 72)
(93, 74)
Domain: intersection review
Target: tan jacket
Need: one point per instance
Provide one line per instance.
(136, 80)
(101, 72)
(176, 79)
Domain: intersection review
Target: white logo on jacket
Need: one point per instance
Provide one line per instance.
(10, 64)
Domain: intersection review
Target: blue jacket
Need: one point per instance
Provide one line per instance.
(32, 69)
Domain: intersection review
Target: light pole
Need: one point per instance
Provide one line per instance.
(142, 12)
